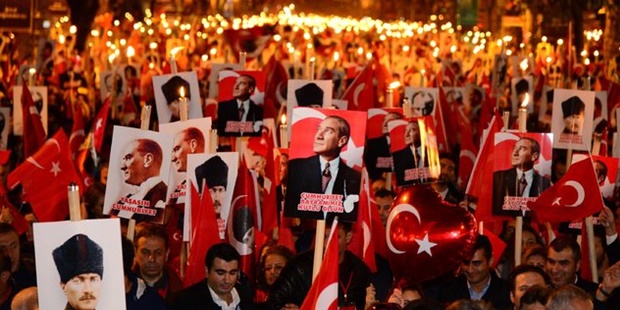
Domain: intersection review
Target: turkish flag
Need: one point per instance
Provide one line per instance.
(497, 244)
(45, 176)
(34, 134)
(275, 87)
(573, 197)
(323, 294)
(362, 244)
(242, 219)
(77, 131)
(467, 155)
(4, 156)
(482, 175)
(100, 124)
(361, 94)
(251, 40)
(204, 234)
(269, 208)
(15, 218)
(448, 118)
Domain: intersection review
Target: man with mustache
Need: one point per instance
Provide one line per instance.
(80, 265)
(214, 173)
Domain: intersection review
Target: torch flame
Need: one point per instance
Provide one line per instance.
(283, 119)
(526, 101)
(182, 92)
(394, 85)
(174, 51)
(524, 64)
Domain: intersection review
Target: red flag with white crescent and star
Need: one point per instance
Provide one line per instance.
(77, 131)
(45, 176)
(10, 213)
(100, 125)
(573, 197)
(323, 294)
(251, 40)
(361, 94)
(362, 242)
(276, 80)
(34, 134)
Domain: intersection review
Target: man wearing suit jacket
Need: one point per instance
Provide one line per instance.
(521, 180)
(240, 115)
(410, 157)
(377, 154)
(224, 286)
(324, 173)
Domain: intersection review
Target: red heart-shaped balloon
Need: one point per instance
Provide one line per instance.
(427, 236)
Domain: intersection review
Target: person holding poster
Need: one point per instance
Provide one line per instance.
(80, 265)
(324, 173)
(240, 115)
(140, 163)
(521, 180)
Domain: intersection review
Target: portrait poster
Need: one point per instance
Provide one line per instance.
(377, 155)
(606, 169)
(414, 150)
(214, 84)
(218, 173)
(455, 96)
(59, 250)
(522, 66)
(168, 88)
(500, 71)
(190, 137)
(5, 118)
(522, 89)
(546, 106)
(17, 15)
(601, 117)
(473, 98)
(317, 190)
(138, 181)
(572, 119)
(423, 100)
(39, 97)
(515, 153)
(113, 81)
(235, 87)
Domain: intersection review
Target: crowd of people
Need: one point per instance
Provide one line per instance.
(548, 277)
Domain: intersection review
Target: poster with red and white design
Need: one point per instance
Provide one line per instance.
(522, 170)
(377, 155)
(325, 163)
(414, 150)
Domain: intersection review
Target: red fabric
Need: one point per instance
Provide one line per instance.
(467, 155)
(573, 197)
(482, 176)
(498, 245)
(323, 294)
(18, 221)
(275, 87)
(77, 131)
(44, 178)
(100, 125)
(34, 134)
(361, 94)
(269, 208)
(244, 196)
(251, 40)
(449, 118)
(4, 156)
(204, 234)
(361, 243)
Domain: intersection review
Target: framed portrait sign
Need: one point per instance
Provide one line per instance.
(377, 155)
(73, 254)
(572, 119)
(240, 103)
(170, 89)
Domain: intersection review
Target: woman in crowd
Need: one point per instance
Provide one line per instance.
(272, 262)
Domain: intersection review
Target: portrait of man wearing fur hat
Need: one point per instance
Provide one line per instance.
(172, 92)
(573, 115)
(214, 173)
(80, 266)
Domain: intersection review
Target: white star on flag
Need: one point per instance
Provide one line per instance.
(55, 168)
(425, 245)
(556, 202)
(99, 124)
(353, 154)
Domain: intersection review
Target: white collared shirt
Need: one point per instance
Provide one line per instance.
(246, 108)
(529, 178)
(236, 300)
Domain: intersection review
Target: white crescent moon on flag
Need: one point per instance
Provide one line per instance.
(301, 114)
(468, 154)
(327, 297)
(279, 92)
(507, 137)
(375, 112)
(241, 247)
(580, 193)
(395, 212)
(224, 74)
(366, 237)
(357, 92)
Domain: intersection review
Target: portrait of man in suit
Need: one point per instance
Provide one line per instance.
(240, 115)
(188, 141)
(521, 180)
(377, 154)
(140, 165)
(172, 92)
(323, 173)
(411, 157)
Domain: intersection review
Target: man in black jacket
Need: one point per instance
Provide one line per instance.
(222, 287)
(295, 280)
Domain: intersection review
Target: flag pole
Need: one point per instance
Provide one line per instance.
(522, 122)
